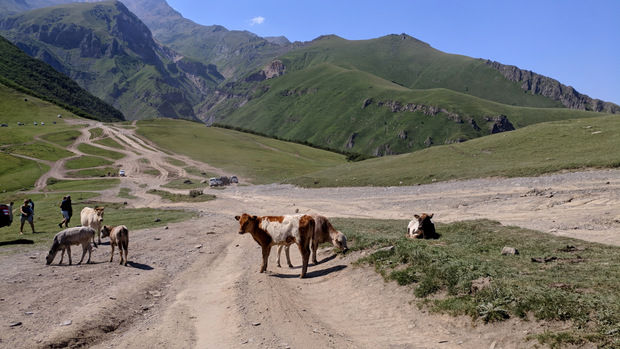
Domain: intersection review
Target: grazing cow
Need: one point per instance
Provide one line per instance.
(119, 236)
(324, 231)
(72, 236)
(92, 217)
(268, 231)
(421, 227)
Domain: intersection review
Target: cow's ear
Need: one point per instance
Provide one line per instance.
(431, 215)
(416, 216)
(254, 217)
(237, 217)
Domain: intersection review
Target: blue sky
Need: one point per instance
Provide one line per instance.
(574, 42)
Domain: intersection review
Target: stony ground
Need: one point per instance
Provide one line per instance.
(196, 283)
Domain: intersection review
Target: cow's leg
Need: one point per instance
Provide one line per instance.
(315, 246)
(126, 245)
(304, 249)
(99, 234)
(84, 249)
(280, 247)
(288, 256)
(266, 250)
(69, 254)
(120, 252)
(112, 253)
(62, 256)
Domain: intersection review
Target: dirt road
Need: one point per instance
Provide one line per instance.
(195, 284)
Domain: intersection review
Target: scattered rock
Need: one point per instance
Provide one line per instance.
(480, 284)
(66, 323)
(509, 251)
(15, 324)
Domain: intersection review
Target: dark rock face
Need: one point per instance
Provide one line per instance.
(499, 124)
(542, 85)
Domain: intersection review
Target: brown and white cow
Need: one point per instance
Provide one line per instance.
(269, 231)
(324, 231)
(92, 217)
(421, 227)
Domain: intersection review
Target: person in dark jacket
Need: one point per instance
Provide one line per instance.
(67, 211)
(26, 215)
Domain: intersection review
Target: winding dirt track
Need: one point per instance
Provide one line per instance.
(196, 283)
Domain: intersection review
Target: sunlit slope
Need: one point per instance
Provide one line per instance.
(348, 110)
(531, 151)
(259, 159)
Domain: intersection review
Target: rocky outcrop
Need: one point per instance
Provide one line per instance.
(271, 70)
(351, 141)
(499, 124)
(553, 89)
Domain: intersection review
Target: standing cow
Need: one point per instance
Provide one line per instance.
(324, 231)
(269, 231)
(119, 236)
(93, 217)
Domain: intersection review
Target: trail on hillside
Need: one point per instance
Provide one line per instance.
(196, 283)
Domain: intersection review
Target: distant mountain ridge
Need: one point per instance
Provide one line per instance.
(110, 52)
(380, 96)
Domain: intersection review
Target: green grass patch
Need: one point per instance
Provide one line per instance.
(94, 172)
(185, 183)
(530, 151)
(87, 162)
(95, 132)
(194, 195)
(262, 159)
(577, 284)
(175, 162)
(43, 151)
(82, 185)
(125, 193)
(63, 138)
(96, 151)
(109, 142)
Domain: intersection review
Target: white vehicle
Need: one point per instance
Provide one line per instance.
(215, 182)
(121, 173)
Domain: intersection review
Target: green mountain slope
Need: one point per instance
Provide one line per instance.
(111, 53)
(327, 94)
(34, 77)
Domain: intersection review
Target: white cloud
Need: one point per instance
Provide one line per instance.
(257, 20)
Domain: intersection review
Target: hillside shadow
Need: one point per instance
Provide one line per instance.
(17, 242)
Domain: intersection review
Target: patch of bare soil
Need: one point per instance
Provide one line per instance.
(196, 283)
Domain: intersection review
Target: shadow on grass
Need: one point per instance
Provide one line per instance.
(17, 242)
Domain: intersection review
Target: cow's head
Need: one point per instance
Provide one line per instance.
(246, 223)
(340, 241)
(50, 257)
(99, 211)
(424, 227)
(105, 231)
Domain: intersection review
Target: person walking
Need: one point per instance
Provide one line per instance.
(26, 215)
(67, 211)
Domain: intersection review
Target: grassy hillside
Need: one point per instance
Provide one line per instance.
(259, 159)
(345, 109)
(36, 78)
(531, 151)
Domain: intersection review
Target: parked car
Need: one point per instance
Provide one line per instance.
(121, 173)
(215, 182)
(234, 179)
